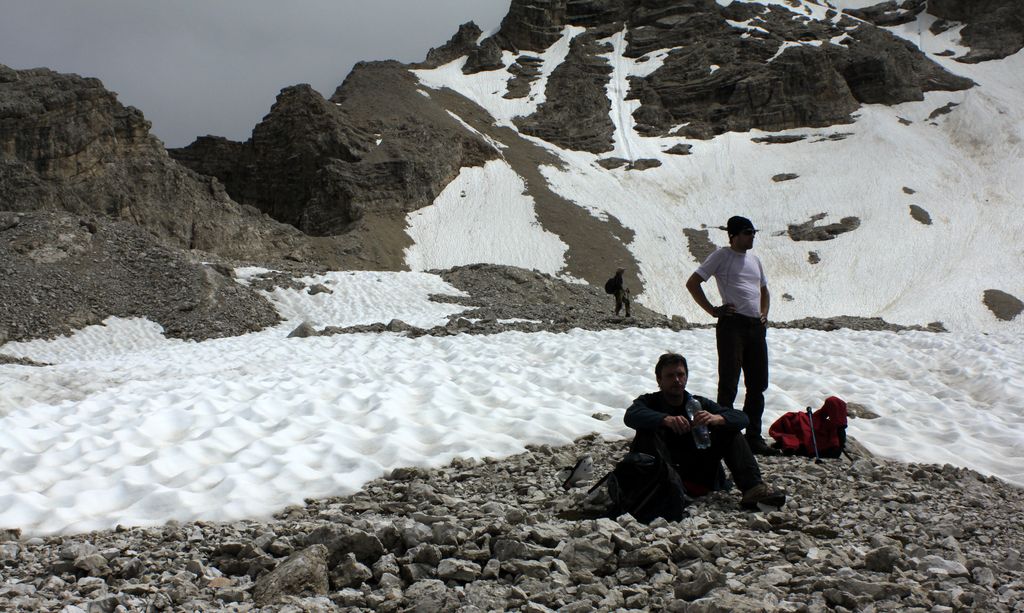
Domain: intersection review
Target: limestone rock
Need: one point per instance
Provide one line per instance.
(809, 231)
(304, 573)
(533, 24)
(994, 28)
(304, 330)
(66, 143)
(460, 44)
(575, 113)
(375, 150)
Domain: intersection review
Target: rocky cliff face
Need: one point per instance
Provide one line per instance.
(377, 148)
(994, 28)
(577, 117)
(732, 68)
(66, 143)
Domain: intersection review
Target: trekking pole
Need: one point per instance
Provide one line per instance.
(814, 438)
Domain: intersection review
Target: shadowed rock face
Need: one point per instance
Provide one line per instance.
(66, 143)
(378, 145)
(534, 25)
(994, 30)
(575, 114)
(772, 79)
(279, 170)
(479, 58)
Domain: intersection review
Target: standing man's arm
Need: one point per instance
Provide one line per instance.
(766, 303)
(693, 284)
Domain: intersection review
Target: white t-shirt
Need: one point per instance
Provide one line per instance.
(740, 278)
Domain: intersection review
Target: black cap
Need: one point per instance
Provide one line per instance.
(737, 224)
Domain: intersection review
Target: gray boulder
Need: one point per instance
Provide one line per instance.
(304, 573)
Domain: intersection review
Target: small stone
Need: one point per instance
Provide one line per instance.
(458, 570)
(304, 330)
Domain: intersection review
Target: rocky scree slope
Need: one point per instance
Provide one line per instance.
(61, 272)
(506, 298)
(491, 535)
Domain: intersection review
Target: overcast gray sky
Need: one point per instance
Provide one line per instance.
(198, 67)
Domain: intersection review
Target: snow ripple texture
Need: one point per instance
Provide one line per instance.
(128, 428)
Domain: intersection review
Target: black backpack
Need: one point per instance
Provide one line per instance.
(643, 485)
(609, 286)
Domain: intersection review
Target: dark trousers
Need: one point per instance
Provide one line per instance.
(703, 466)
(622, 300)
(742, 346)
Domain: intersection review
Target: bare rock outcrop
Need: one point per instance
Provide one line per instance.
(479, 57)
(1003, 305)
(993, 29)
(66, 143)
(533, 25)
(575, 114)
(377, 149)
(889, 13)
(811, 231)
(716, 81)
(734, 68)
(280, 169)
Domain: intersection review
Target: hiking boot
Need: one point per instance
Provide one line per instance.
(759, 447)
(763, 497)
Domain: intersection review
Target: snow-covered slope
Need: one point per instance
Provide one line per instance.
(128, 427)
(961, 166)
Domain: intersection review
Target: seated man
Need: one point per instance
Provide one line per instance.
(663, 414)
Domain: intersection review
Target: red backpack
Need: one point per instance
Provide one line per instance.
(792, 431)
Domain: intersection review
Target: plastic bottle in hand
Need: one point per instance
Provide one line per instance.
(701, 437)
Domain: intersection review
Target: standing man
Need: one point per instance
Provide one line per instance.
(740, 332)
(617, 285)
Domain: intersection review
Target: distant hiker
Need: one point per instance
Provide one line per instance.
(740, 333)
(663, 414)
(617, 286)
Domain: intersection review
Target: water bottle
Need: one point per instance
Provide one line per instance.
(701, 437)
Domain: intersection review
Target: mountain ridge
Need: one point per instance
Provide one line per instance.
(609, 92)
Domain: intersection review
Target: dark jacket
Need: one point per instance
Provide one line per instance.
(701, 470)
(648, 411)
(614, 285)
